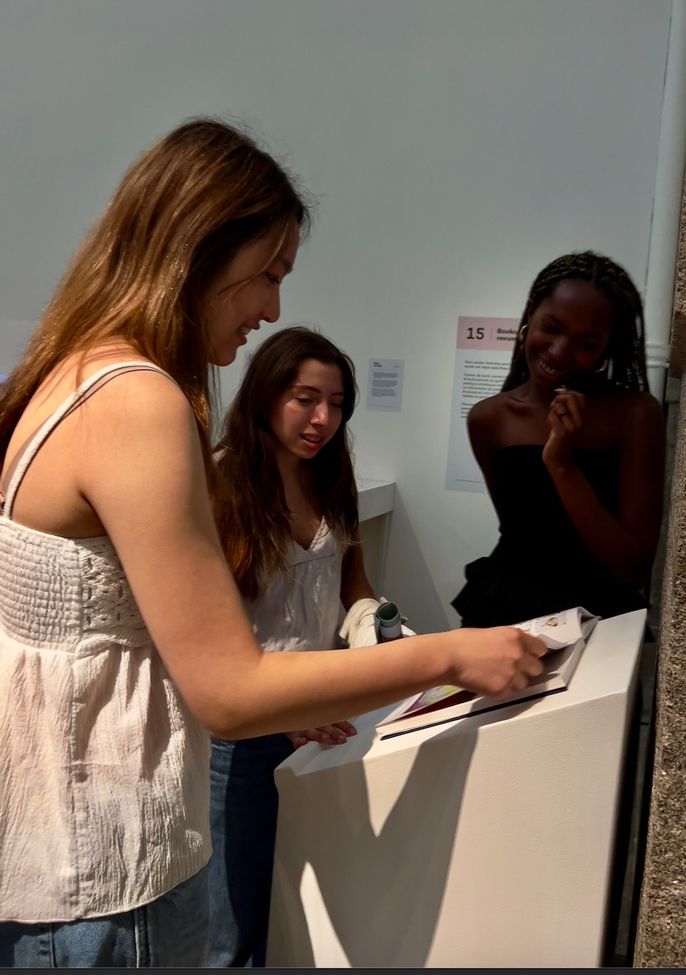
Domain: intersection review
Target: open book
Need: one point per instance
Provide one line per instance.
(565, 635)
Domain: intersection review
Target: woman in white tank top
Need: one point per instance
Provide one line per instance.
(123, 640)
(288, 521)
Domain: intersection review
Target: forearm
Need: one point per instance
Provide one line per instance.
(603, 534)
(277, 691)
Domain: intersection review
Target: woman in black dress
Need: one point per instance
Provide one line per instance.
(572, 451)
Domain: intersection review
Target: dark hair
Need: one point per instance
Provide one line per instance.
(251, 509)
(179, 215)
(626, 346)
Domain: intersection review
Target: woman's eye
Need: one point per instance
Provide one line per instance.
(304, 400)
(272, 278)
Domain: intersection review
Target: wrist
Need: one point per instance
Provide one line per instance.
(451, 656)
(559, 467)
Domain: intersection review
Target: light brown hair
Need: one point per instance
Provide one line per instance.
(179, 216)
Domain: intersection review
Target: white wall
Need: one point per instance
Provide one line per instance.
(454, 146)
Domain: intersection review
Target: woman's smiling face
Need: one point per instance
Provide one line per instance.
(568, 334)
(246, 293)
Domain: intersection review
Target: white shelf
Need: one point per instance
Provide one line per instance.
(375, 497)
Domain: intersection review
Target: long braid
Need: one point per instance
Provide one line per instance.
(626, 348)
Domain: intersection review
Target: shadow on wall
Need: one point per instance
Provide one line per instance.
(383, 909)
(408, 581)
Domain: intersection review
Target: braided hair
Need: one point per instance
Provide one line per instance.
(626, 347)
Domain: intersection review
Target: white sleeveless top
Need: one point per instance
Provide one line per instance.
(104, 789)
(299, 610)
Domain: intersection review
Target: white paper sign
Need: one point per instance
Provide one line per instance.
(482, 361)
(385, 384)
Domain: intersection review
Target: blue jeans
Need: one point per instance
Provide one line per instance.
(243, 810)
(167, 933)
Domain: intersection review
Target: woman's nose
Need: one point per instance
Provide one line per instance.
(558, 350)
(272, 310)
(321, 414)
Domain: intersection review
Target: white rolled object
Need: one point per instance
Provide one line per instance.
(358, 628)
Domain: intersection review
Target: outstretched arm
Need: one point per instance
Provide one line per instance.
(141, 470)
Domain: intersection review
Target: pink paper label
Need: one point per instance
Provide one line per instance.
(487, 334)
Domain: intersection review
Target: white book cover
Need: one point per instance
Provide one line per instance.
(564, 634)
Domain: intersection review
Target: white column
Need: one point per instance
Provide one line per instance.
(664, 231)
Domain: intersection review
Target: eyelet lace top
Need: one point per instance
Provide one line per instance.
(105, 775)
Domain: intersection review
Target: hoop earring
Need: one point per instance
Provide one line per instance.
(521, 335)
(603, 368)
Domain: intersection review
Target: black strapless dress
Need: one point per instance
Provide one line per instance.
(540, 565)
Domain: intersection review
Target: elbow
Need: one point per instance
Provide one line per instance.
(240, 714)
(229, 722)
(228, 727)
(218, 725)
(227, 701)
(224, 732)
(221, 718)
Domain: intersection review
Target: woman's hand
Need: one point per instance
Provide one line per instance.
(497, 661)
(565, 420)
(329, 734)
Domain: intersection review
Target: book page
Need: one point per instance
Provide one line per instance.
(560, 629)
(564, 634)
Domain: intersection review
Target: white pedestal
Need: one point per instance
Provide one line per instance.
(487, 842)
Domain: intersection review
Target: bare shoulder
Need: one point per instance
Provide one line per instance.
(144, 398)
(632, 407)
(141, 459)
(139, 427)
(487, 412)
(634, 420)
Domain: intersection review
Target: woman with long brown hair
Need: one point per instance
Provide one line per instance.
(288, 522)
(122, 635)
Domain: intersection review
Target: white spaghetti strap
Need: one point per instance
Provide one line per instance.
(88, 386)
